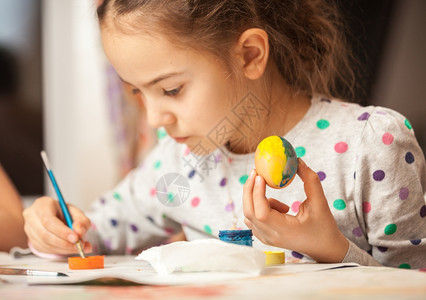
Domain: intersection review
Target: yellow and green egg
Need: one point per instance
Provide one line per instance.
(276, 161)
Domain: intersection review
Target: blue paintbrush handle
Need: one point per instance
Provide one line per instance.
(61, 199)
(62, 203)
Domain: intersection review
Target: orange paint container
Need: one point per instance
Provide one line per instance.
(90, 262)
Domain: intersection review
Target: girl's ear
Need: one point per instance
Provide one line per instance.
(252, 52)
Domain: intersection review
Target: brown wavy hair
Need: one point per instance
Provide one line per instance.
(306, 37)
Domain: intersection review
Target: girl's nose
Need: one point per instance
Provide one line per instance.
(158, 117)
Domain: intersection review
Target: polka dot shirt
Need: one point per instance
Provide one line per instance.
(367, 158)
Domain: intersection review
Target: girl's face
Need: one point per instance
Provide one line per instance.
(187, 92)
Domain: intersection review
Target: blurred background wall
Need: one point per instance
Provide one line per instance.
(401, 77)
(21, 93)
(56, 91)
(60, 101)
(76, 126)
(388, 39)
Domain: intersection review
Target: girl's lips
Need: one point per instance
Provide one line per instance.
(180, 139)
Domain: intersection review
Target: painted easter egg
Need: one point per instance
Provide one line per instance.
(276, 161)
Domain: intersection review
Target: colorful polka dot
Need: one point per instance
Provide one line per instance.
(366, 207)
(295, 206)
(102, 201)
(339, 204)
(195, 201)
(243, 179)
(108, 244)
(170, 197)
(390, 229)
(229, 207)
(341, 147)
(415, 242)
(300, 151)
(357, 231)
(187, 151)
(364, 116)
(408, 124)
(114, 222)
(382, 249)
(134, 228)
(404, 266)
(423, 211)
(164, 216)
(223, 182)
(161, 133)
(157, 164)
(191, 174)
(297, 254)
(321, 175)
(409, 158)
(387, 138)
(323, 124)
(117, 196)
(207, 229)
(153, 192)
(379, 175)
(403, 193)
(151, 219)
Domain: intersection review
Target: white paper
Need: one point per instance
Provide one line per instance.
(206, 255)
(127, 268)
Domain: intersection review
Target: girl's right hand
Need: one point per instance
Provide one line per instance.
(47, 231)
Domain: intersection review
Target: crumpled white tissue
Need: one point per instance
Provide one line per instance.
(204, 255)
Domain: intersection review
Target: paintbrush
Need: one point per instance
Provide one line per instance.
(61, 199)
(29, 272)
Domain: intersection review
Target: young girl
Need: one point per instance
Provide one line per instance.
(216, 78)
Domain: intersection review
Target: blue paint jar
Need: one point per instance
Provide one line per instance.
(239, 237)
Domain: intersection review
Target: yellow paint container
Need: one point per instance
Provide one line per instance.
(274, 258)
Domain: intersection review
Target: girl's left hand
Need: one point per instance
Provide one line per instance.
(313, 231)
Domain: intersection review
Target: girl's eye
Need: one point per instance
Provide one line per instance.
(173, 92)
